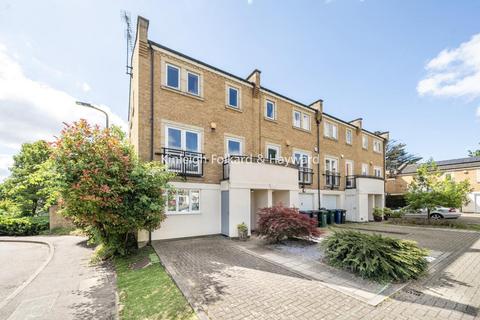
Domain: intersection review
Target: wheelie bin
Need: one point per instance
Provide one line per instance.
(330, 216)
(322, 218)
(344, 215)
(338, 216)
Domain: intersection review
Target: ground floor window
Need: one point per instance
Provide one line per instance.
(183, 201)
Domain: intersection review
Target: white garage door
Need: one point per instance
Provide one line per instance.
(306, 201)
(329, 201)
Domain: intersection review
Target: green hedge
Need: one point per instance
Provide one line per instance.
(25, 226)
(375, 257)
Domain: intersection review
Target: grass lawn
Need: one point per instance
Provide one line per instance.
(148, 292)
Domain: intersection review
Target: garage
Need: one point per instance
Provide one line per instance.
(330, 201)
(306, 201)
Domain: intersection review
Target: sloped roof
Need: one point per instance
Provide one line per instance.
(446, 165)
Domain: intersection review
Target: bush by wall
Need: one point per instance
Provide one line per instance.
(279, 223)
(375, 257)
(26, 226)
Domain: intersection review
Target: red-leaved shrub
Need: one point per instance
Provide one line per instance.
(279, 223)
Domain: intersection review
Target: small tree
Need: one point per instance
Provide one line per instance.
(429, 190)
(105, 188)
(32, 183)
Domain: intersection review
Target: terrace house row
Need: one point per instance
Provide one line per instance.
(202, 122)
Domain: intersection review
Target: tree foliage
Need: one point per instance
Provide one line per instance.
(396, 155)
(31, 187)
(105, 188)
(474, 153)
(430, 190)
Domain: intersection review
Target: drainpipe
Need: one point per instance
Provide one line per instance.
(318, 118)
(152, 149)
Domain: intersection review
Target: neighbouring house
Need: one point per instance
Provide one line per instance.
(458, 169)
(228, 139)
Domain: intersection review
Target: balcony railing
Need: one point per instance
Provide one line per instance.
(184, 163)
(305, 176)
(332, 179)
(350, 182)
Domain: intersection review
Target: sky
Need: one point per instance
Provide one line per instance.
(408, 67)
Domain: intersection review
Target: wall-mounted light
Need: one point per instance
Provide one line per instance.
(213, 125)
(315, 149)
(341, 156)
(288, 143)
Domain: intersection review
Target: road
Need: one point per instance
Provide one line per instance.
(68, 287)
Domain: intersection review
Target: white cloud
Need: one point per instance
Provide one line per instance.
(478, 112)
(249, 1)
(32, 110)
(454, 72)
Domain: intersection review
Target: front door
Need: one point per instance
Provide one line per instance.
(225, 213)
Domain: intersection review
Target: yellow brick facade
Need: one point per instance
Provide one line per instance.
(171, 106)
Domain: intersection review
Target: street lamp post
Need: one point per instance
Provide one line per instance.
(89, 105)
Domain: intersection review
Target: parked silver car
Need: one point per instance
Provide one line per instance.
(438, 213)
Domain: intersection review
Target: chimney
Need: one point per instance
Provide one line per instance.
(385, 135)
(318, 105)
(142, 29)
(357, 123)
(254, 78)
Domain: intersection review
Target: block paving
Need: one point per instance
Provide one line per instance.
(223, 282)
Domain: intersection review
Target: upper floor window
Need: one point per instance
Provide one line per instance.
(182, 139)
(364, 169)
(305, 121)
(173, 76)
(297, 119)
(234, 146)
(301, 120)
(377, 146)
(348, 136)
(270, 110)
(364, 142)
(193, 83)
(377, 172)
(233, 97)
(330, 130)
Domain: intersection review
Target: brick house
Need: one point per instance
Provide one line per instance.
(237, 146)
(458, 169)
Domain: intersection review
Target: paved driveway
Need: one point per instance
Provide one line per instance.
(67, 288)
(223, 282)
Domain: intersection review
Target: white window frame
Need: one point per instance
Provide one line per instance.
(273, 147)
(179, 75)
(379, 169)
(302, 154)
(235, 139)
(198, 81)
(228, 87)
(377, 146)
(365, 141)
(274, 116)
(299, 125)
(306, 123)
(347, 132)
(183, 139)
(190, 211)
(352, 163)
(367, 171)
(332, 159)
(330, 130)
